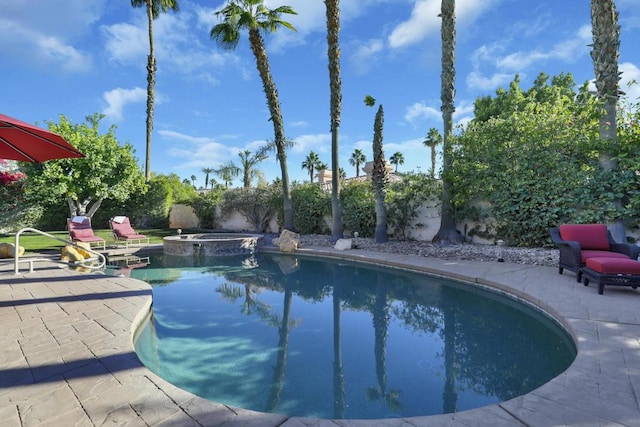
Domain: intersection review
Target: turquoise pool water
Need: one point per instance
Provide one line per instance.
(318, 338)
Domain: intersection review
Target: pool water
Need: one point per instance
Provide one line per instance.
(319, 338)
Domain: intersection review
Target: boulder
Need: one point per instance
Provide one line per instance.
(8, 250)
(288, 241)
(81, 250)
(71, 254)
(343, 244)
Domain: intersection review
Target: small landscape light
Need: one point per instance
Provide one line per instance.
(355, 239)
(500, 244)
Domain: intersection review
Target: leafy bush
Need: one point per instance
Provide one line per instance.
(358, 208)
(538, 166)
(252, 203)
(311, 206)
(205, 207)
(405, 198)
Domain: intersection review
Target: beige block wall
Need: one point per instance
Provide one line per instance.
(183, 216)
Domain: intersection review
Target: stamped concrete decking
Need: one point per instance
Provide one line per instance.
(67, 358)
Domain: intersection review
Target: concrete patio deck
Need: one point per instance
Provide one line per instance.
(67, 357)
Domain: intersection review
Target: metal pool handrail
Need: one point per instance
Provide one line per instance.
(16, 261)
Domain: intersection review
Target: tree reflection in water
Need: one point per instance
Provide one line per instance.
(488, 347)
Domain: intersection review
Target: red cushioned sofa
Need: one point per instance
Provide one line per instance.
(578, 242)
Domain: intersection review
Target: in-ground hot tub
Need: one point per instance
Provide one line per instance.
(211, 244)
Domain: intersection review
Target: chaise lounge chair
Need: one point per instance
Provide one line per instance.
(579, 242)
(123, 232)
(79, 228)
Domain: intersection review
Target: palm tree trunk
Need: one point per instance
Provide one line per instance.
(151, 81)
(335, 84)
(605, 55)
(447, 232)
(433, 161)
(262, 62)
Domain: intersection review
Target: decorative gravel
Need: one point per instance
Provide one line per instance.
(464, 251)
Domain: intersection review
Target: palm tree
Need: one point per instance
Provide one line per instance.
(447, 232)
(397, 159)
(153, 11)
(357, 158)
(335, 85)
(432, 140)
(379, 173)
(255, 17)
(311, 163)
(206, 171)
(227, 173)
(605, 53)
(193, 180)
(248, 161)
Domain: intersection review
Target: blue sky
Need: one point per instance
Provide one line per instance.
(79, 57)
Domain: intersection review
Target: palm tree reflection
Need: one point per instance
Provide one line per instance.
(381, 319)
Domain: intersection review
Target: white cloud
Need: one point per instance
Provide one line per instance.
(119, 98)
(63, 19)
(566, 50)
(365, 55)
(178, 48)
(199, 152)
(424, 20)
(37, 48)
(420, 111)
(464, 113)
(299, 124)
(126, 42)
(475, 80)
(319, 143)
(630, 73)
(311, 17)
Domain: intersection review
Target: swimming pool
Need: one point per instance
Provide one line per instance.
(309, 337)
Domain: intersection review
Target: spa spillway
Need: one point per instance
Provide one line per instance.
(211, 244)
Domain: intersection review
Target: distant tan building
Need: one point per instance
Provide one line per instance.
(324, 176)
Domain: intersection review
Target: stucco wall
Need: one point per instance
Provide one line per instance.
(182, 216)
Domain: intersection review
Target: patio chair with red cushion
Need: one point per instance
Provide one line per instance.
(124, 232)
(80, 230)
(579, 242)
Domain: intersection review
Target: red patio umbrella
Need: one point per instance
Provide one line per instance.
(28, 143)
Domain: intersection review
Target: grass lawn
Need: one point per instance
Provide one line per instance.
(34, 242)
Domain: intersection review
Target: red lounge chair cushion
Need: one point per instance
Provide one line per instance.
(614, 265)
(82, 234)
(585, 255)
(590, 236)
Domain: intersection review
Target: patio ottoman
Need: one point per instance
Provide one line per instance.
(612, 271)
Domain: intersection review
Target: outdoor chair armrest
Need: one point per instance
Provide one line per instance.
(629, 249)
(571, 244)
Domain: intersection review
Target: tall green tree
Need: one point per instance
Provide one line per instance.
(357, 159)
(248, 162)
(335, 85)
(432, 140)
(154, 7)
(109, 170)
(206, 172)
(396, 159)
(447, 232)
(605, 53)
(254, 17)
(311, 164)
